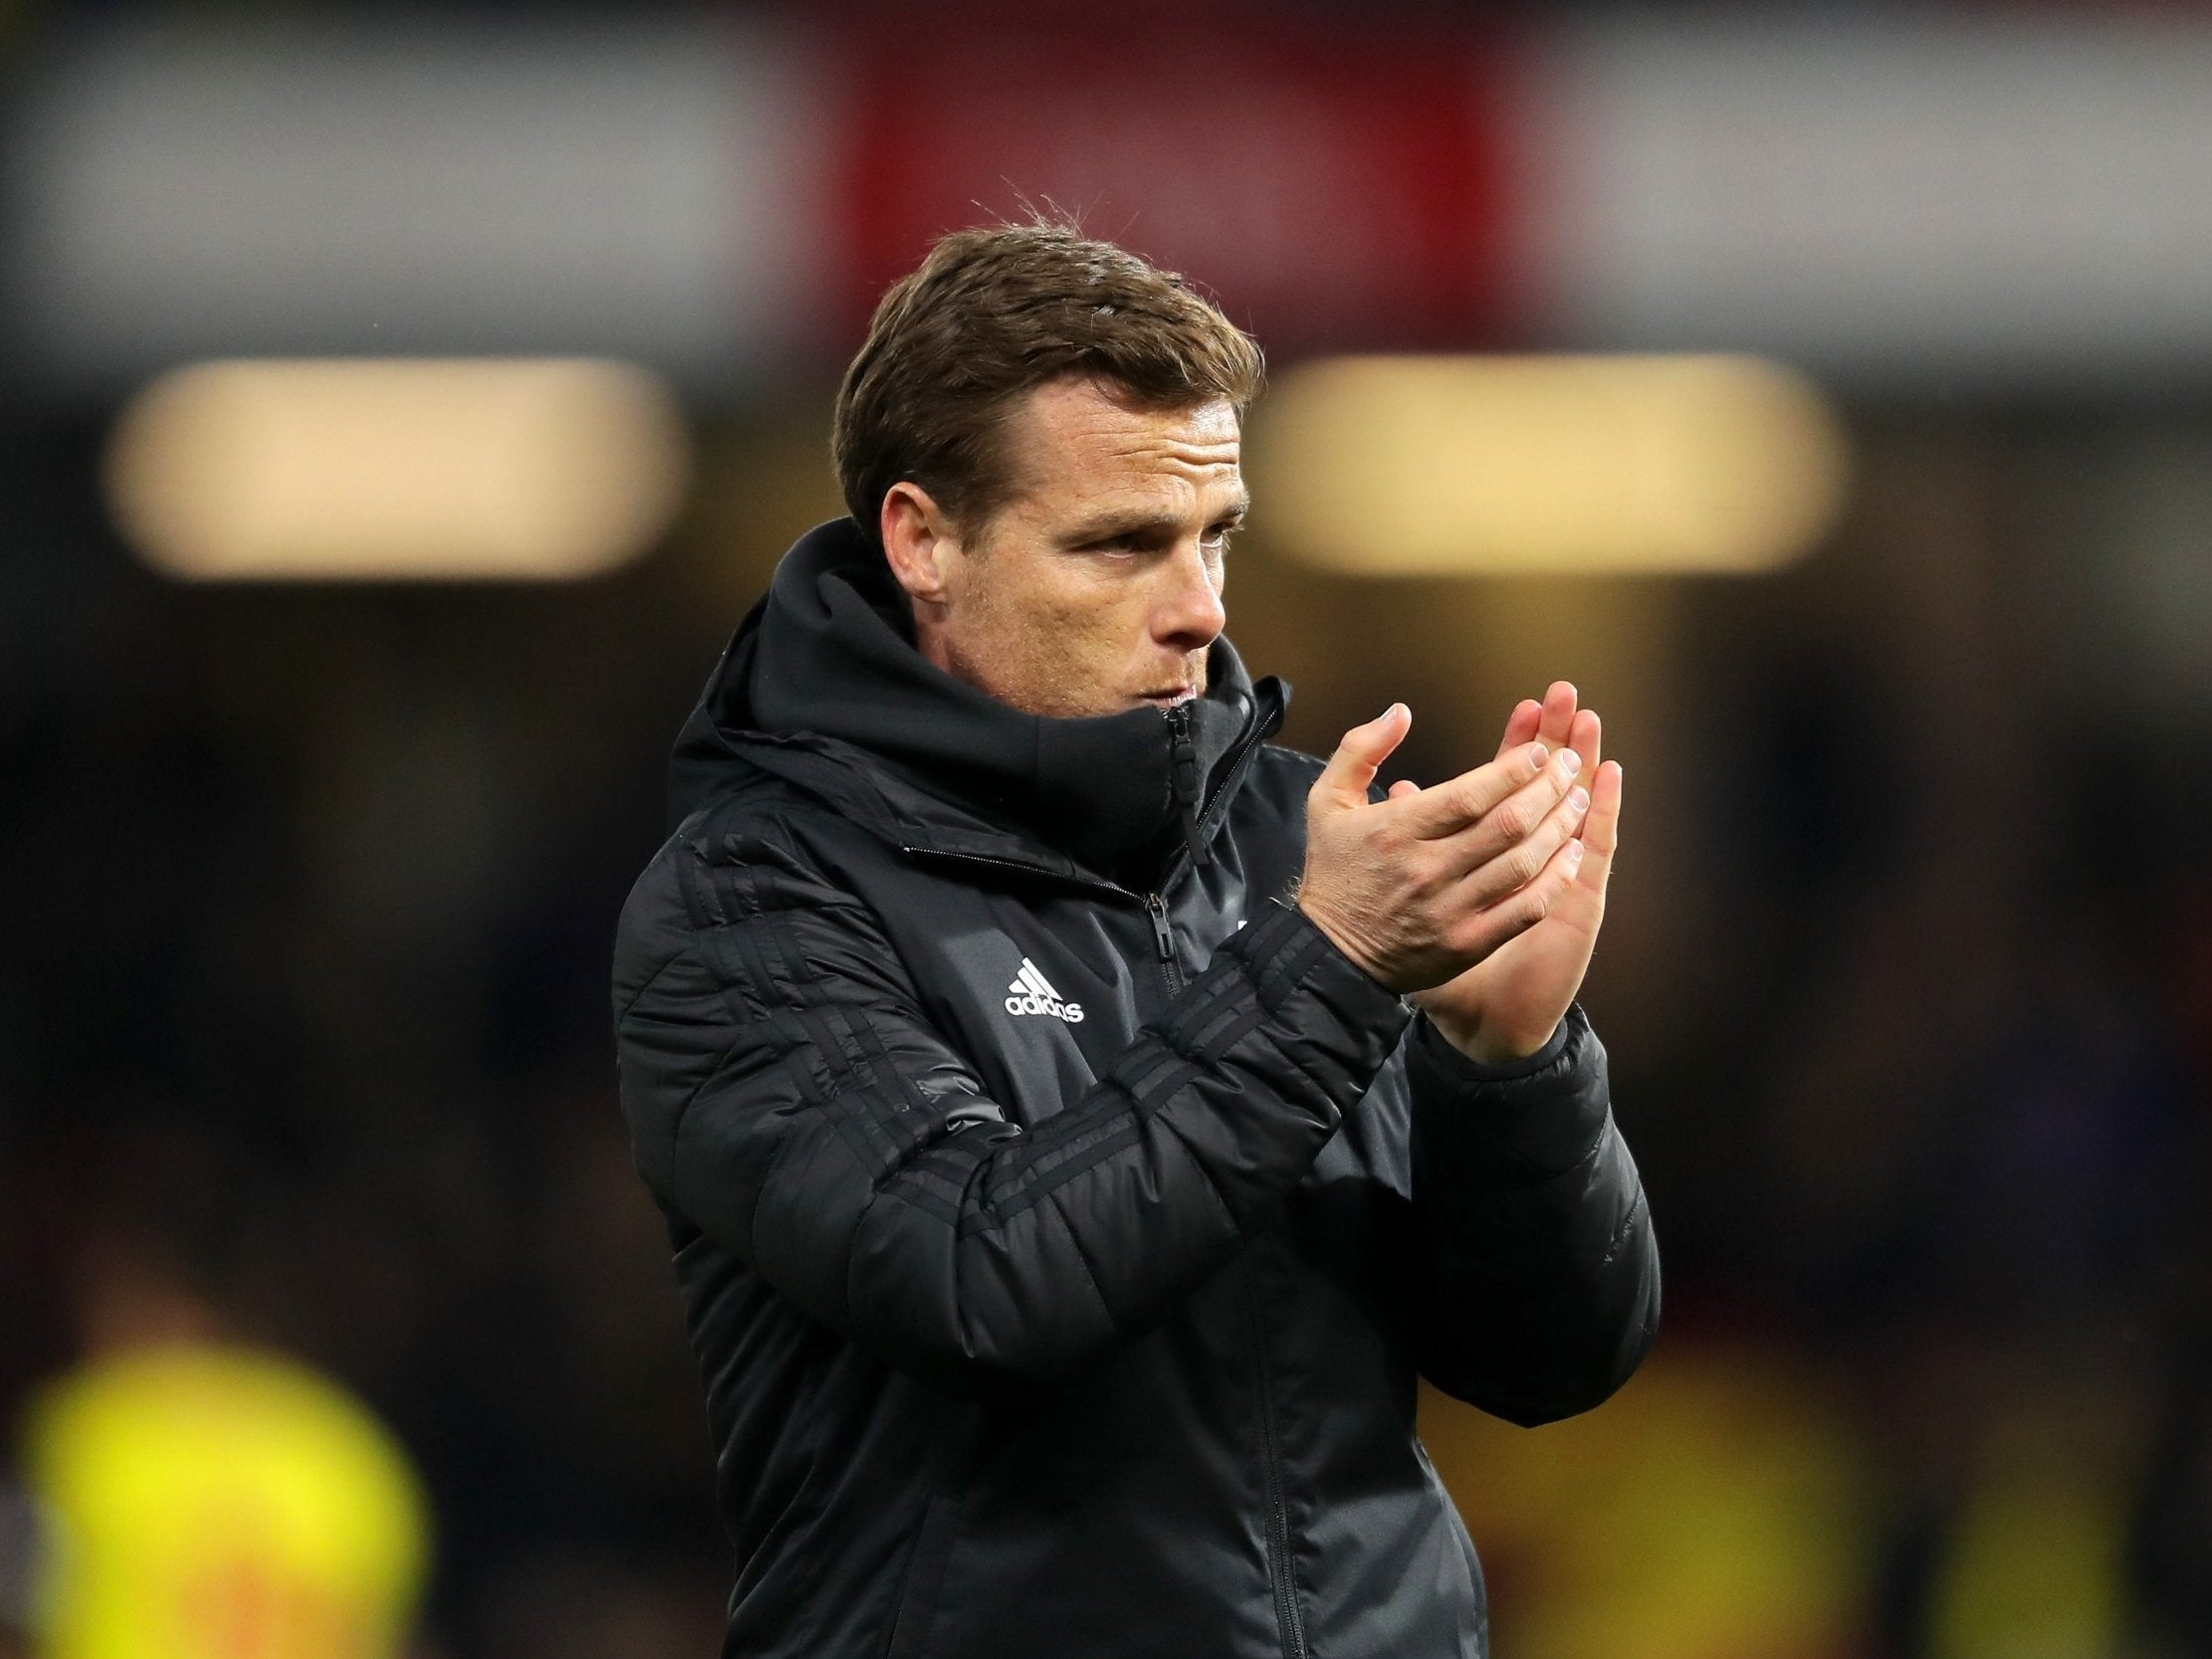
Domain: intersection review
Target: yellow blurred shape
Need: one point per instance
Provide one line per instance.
(2036, 1566)
(1715, 1509)
(1448, 466)
(222, 1503)
(397, 468)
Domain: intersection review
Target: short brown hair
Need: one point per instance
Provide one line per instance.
(994, 312)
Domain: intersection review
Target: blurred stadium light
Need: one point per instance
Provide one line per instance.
(1447, 466)
(396, 469)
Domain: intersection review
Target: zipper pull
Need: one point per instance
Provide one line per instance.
(1157, 907)
(1183, 767)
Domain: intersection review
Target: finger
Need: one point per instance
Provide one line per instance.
(1404, 787)
(1555, 730)
(1494, 860)
(1475, 840)
(1601, 830)
(1528, 903)
(1520, 726)
(1587, 739)
(1447, 808)
(1350, 773)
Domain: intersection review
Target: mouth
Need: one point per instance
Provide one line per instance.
(1169, 698)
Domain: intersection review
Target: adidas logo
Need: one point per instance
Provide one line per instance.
(1033, 994)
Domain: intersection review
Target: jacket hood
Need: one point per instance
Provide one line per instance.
(824, 669)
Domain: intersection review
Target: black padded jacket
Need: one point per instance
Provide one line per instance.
(1062, 1220)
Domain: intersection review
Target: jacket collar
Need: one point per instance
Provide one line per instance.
(822, 685)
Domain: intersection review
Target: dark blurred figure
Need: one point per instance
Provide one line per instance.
(201, 1495)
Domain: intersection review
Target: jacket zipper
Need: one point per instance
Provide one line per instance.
(1163, 938)
(1183, 761)
(1266, 727)
(1183, 774)
(1289, 1624)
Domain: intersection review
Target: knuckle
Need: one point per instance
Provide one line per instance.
(1517, 915)
(1517, 919)
(1425, 871)
(1526, 859)
(1494, 883)
(1471, 937)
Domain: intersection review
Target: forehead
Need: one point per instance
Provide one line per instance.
(1071, 440)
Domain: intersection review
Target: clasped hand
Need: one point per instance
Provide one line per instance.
(1481, 896)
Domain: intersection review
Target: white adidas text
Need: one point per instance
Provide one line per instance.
(1033, 994)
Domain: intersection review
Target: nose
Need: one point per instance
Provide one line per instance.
(1186, 614)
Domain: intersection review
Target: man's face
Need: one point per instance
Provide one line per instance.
(1097, 587)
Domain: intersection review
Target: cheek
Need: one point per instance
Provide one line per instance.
(1095, 618)
(1006, 600)
(1099, 635)
(1091, 613)
(1033, 631)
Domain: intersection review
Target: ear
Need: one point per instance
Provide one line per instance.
(919, 542)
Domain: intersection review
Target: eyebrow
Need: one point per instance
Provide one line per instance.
(1115, 525)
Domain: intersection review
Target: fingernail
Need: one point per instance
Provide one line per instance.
(1570, 760)
(1578, 799)
(1573, 851)
(1537, 756)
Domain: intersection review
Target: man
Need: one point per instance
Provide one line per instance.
(1064, 1193)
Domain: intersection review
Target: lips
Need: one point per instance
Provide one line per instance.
(1170, 696)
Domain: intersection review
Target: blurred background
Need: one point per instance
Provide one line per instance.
(399, 410)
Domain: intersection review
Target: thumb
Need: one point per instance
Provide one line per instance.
(1345, 780)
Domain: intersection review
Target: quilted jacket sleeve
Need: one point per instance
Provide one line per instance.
(787, 1098)
(1540, 1289)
